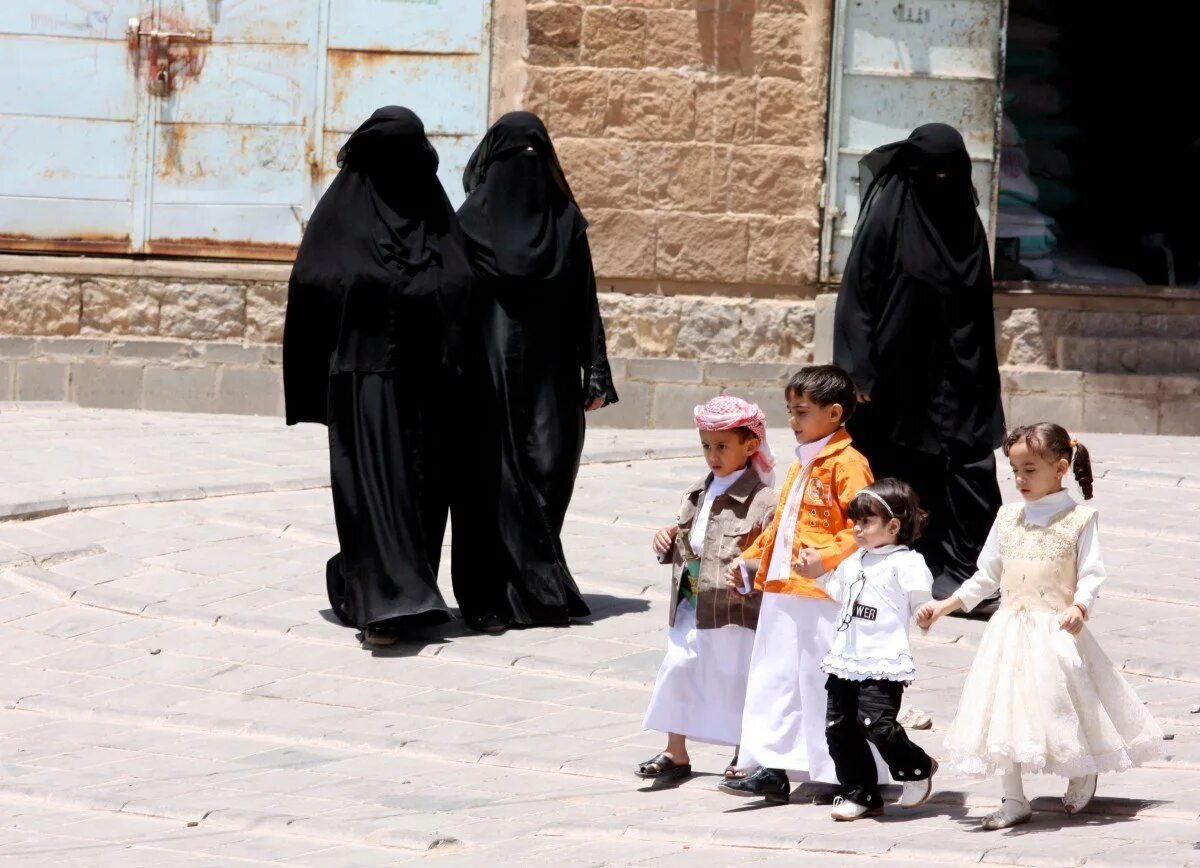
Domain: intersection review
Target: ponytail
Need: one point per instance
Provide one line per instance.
(1082, 466)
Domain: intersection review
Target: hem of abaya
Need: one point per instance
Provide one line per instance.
(408, 621)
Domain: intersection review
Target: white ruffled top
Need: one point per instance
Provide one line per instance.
(878, 590)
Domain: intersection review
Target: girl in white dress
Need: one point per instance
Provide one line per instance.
(1041, 695)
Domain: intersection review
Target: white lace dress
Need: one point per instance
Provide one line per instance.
(1036, 695)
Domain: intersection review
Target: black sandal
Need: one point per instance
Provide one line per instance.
(731, 770)
(662, 766)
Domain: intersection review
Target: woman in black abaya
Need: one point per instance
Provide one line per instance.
(915, 329)
(372, 339)
(546, 363)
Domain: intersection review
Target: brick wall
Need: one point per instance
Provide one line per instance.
(692, 132)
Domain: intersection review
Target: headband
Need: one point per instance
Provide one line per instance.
(871, 494)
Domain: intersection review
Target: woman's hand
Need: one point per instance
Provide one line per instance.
(664, 539)
(1072, 619)
(934, 609)
(808, 564)
(594, 404)
(863, 398)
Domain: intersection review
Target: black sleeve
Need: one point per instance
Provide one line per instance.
(855, 319)
(598, 382)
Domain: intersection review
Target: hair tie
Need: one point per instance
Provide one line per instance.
(879, 498)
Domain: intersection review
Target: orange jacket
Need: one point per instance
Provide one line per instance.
(838, 473)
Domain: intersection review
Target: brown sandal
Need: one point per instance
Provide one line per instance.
(662, 766)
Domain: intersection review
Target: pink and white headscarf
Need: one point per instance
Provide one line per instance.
(725, 412)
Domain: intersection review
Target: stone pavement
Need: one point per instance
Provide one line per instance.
(173, 691)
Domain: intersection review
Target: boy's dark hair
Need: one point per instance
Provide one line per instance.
(1052, 442)
(825, 385)
(904, 505)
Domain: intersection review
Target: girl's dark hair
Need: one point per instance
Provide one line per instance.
(824, 385)
(902, 500)
(1052, 442)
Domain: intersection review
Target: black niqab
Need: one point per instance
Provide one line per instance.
(520, 215)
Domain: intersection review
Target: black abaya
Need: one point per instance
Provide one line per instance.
(372, 348)
(915, 329)
(545, 360)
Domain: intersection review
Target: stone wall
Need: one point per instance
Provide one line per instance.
(692, 132)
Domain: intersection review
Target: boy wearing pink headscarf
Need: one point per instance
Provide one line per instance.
(701, 685)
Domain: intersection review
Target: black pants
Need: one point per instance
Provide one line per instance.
(862, 712)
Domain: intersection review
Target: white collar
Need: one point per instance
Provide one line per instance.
(1040, 511)
(885, 550)
(806, 452)
(721, 484)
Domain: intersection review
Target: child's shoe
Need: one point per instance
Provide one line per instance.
(769, 784)
(1013, 812)
(917, 793)
(845, 810)
(1079, 793)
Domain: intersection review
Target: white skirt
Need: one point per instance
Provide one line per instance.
(701, 685)
(1050, 701)
(783, 726)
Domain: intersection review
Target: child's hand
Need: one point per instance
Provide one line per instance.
(935, 609)
(808, 564)
(733, 578)
(1071, 619)
(664, 539)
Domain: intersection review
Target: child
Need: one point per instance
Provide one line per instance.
(879, 587)
(783, 726)
(701, 685)
(1041, 696)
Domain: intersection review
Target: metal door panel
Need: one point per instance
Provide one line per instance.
(253, 21)
(69, 78)
(894, 67)
(85, 19)
(200, 164)
(449, 92)
(82, 225)
(244, 84)
(65, 158)
(430, 26)
(254, 231)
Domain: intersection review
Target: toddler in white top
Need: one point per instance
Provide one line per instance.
(879, 588)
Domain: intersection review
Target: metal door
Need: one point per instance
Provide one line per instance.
(895, 66)
(210, 127)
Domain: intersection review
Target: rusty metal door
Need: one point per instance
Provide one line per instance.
(210, 127)
(895, 66)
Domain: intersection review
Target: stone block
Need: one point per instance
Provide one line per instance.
(1078, 354)
(651, 105)
(37, 304)
(189, 390)
(273, 354)
(788, 46)
(1027, 408)
(726, 31)
(554, 33)
(1034, 381)
(711, 328)
(673, 404)
(1120, 356)
(265, 307)
(672, 39)
(1022, 340)
(784, 250)
(18, 348)
(789, 112)
(640, 325)
(7, 371)
(776, 331)
(725, 110)
(203, 311)
(1157, 356)
(624, 243)
(106, 385)
(578, 101)
(1120, 404)
(149, 350)
(614, 36)
(603, 174)
(631, 411)
(1187, 356)
(42, 381)
(825, 308)
(723, 374)
(536, 97)
(125, 306)
(664, 370)
(679, 177)
(702, 248)
(1179, 412)
(766, 179)
(250, 391)
(68, 349)
(246, 355)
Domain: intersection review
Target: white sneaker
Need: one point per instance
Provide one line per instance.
(917, 793)
(1079, 793)
(844, 810)
(915, 718)
(1013, 812)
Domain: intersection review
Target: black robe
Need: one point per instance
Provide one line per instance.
(372, 347)
(545, 358)
(915, 329)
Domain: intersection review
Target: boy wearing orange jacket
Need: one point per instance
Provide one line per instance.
(783, 722)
